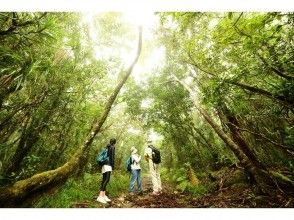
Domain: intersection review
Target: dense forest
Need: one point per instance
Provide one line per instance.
(214, 91)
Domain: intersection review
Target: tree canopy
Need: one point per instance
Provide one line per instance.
(212, 90)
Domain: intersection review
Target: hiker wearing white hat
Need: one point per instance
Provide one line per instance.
(152, 156)
(135, 171)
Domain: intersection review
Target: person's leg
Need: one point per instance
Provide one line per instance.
(153, 177)
(139, 181)
(133, 180)
(158, 178)
(102, 189)
(157, 181)
(105, 180)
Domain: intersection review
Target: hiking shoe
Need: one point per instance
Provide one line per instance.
(101, 199)
(107, 199)
(155, 193)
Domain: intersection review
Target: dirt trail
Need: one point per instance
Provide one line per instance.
(170, 198)
(230, 197)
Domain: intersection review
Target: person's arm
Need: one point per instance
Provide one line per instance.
(136, 158)
(146, 154)
(111, 156)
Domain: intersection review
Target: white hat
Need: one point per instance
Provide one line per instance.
(133, 150)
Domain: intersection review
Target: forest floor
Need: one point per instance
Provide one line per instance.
(236, 196)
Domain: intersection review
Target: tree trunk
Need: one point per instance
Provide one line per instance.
(231, 121)
(262, 178)
(24, 189)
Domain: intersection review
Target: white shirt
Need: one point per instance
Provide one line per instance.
(136, 162)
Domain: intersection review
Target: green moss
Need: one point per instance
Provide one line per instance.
(238, 176)
(198, 190)
(282, 178)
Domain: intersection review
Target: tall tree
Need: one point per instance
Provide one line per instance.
(21, 190)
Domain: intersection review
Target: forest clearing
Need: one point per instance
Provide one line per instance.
(212, 92)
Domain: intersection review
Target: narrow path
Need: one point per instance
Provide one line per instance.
(230, 197)
(169, 198)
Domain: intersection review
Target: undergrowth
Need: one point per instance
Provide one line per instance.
(85, 189)
(180, 178)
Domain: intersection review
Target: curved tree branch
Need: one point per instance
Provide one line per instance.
(23, 189)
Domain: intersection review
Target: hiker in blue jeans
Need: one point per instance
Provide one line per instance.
(136, 171)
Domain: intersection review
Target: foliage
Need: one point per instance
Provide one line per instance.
(218, 55)
(180, 178)
(57, 71)
(86, 189)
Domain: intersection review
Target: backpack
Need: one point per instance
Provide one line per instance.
(156, 158)
(102, 157)
(129, 163)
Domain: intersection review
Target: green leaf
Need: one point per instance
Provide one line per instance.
(182, 186)
(181, 178)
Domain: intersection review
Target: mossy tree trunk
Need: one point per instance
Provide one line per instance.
(24, 189)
